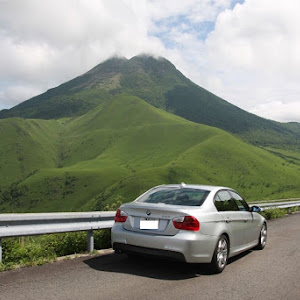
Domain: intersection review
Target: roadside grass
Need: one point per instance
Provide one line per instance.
(274, 213)
(33, 251)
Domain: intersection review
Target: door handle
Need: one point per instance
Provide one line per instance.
(227, 220)
(245, 220)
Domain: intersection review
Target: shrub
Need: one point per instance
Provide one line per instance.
(15, 254)
(293, 209)
(273, 213)
(74, 242)
(37, 250)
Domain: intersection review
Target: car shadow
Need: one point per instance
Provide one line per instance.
(151, 267)
(237, 257)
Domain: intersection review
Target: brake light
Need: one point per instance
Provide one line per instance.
(186, 223)
(120, 216)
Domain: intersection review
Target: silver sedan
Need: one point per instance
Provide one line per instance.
(191, 223)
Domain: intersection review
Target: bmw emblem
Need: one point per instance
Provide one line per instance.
(148, 212)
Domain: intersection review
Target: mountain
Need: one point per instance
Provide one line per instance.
(120, 149)
(127, 125)
(159, 83)
(142, 76)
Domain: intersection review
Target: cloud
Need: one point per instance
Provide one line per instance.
(253, 50)
(279, 110)
(12, 95)
(258, 35)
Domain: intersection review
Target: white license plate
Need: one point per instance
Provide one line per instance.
(148, 224)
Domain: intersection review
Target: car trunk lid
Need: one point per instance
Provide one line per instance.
(153, 218)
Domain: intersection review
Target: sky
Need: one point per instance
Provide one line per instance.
(244, 51)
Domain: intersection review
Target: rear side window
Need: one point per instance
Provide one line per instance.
(175, 196)
(240, 202)
(224, 202)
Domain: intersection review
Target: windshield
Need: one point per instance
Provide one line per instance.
(175, 196)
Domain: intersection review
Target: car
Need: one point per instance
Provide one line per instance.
(190, 223)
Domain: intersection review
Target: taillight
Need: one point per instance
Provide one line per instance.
(120, 216)
(186, 223)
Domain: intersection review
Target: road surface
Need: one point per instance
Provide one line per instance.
(273, 273)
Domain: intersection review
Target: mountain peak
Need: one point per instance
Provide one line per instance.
(148, 60)
(145, 76)
(114, 59)
(112, 63)
(146, 56)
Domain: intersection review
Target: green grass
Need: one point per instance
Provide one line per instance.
(26, 146)
(39, 250)
(274, 213)
(122, 148)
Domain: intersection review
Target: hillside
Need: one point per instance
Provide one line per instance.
(121, 148)
(159, 83)
(26, 146)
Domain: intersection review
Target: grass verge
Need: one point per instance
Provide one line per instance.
(33, 251)
(274, 213)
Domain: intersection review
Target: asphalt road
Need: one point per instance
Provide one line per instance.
(273, 273)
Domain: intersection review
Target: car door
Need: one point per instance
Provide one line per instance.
(233, 218)
(250, 222)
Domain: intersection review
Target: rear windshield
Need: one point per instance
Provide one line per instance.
(175, 196)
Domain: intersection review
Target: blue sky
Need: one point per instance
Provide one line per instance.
(243, 51)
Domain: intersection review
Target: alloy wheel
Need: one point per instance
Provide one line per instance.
(263, 235)
(222, 252)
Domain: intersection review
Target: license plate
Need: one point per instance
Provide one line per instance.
(148, 224)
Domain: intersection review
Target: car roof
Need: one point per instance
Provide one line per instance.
(195, 186)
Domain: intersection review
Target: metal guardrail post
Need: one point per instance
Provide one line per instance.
(90, 241)
(0, 251)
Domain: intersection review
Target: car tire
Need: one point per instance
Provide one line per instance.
(262, 240)
(220, 256)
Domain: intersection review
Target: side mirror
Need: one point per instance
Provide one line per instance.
(255, 208)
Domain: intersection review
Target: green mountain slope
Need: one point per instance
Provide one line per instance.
(159, 83)
(201, 106)
(26, 146)
(123, 147)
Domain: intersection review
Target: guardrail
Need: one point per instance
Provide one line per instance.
(13, 225)
(278, 204)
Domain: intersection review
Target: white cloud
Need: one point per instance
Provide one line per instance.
(14, 94)
(254, 47)
(279, 110)
(258, 35)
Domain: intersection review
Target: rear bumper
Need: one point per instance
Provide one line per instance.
(148, 251)
(192, 247)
